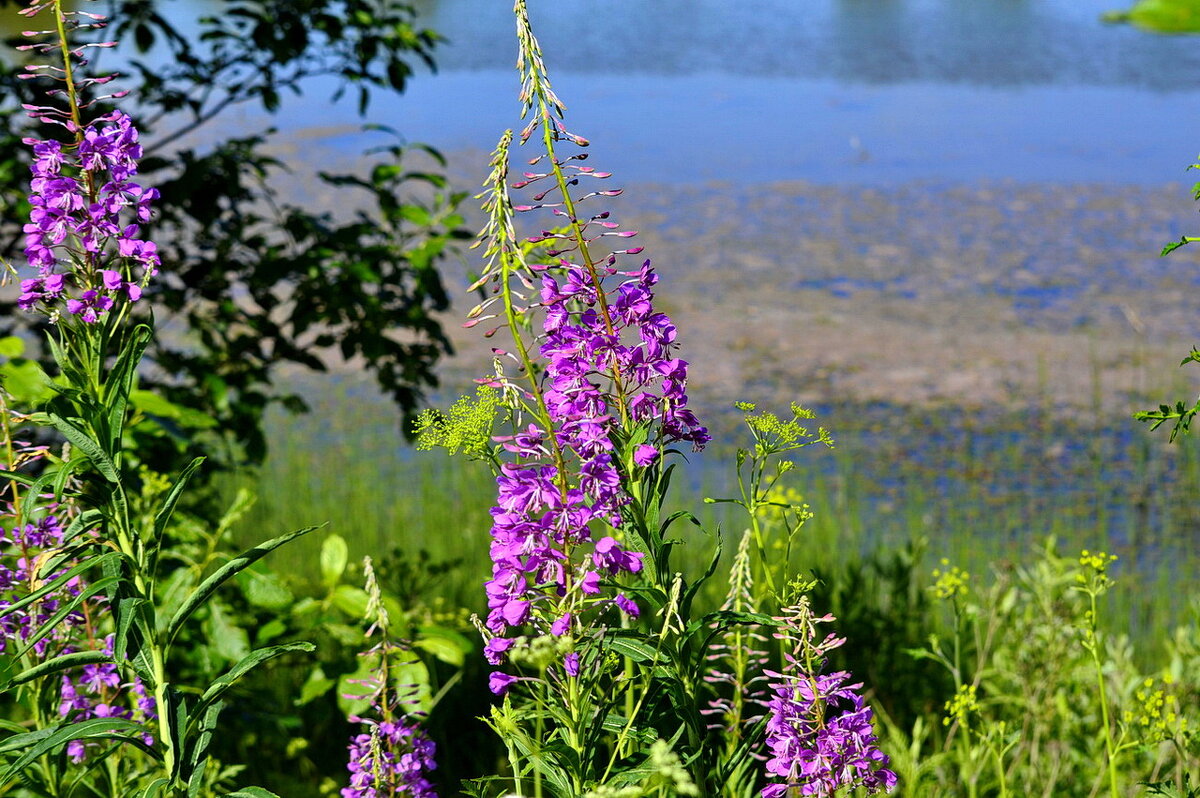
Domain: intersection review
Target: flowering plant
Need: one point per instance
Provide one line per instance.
(87, 635)
(604, 667)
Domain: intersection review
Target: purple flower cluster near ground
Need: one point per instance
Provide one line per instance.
(94, 691)
(819, 734)
(390, 758)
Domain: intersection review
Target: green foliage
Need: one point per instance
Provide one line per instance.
(1040, 700)
(259, 280)
(1160, 16)
(1179, 414)
(466, 426)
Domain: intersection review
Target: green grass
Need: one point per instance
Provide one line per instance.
(976, 490)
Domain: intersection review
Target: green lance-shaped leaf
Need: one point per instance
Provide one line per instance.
(224, 573)
(154, 788)
(82, 523)
(628, 643)
(65, 662)
(135, 623)
(23, 479)
(168, 507)
(197, 755)
(250, 792)
(248, 663)
(65, 609)
(66, 365)
(43, 741)
(84, 442)
(120, 383)
(60, 580)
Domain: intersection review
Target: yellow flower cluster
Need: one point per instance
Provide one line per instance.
(1096, 561)
(959, 708)
(1157, 716)
(949, 581)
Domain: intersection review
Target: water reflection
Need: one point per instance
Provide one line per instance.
(982, 42)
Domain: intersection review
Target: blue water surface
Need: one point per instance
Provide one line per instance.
(833, 91)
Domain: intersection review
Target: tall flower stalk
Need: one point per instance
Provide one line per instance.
(819, 729)
(605, 673)
(600, 393)
(90, 264)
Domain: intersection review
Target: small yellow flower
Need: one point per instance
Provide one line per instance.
(949, 581)
(959, 708)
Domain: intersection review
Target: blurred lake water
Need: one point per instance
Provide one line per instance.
(830, 90)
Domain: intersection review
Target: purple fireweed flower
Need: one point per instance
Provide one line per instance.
(645, 455)
(499, 682)
(605, 363)
(21, 549)
(82, 234)
(391, 758)
(390, 755)
(96, 691)
(819, 734)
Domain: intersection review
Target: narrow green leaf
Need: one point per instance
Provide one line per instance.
(250, 792)
(120, 383)
(196, 781)
(81, 440)
(35, 744)
(84, 522)
(168, 507)
(251, 661)
(197, 757)
(35, 491)
(24, 479)
(229, 569)
(154, 788)
(628, 646)
(65, 662)
(131, 615)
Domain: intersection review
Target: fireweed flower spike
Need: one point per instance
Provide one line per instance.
(819, 732)
(601, 362)
(392, 755)
(82, 238)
